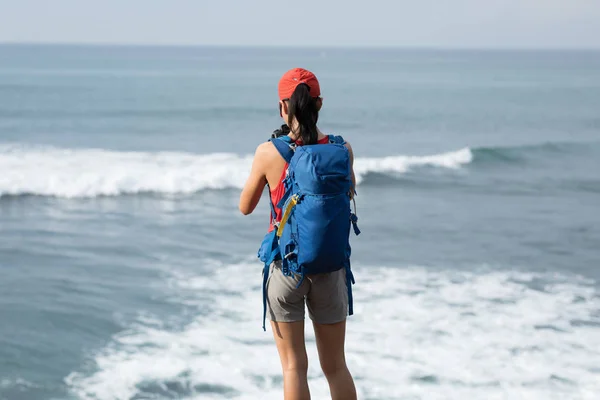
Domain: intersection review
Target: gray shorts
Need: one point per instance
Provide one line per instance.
(326, 296)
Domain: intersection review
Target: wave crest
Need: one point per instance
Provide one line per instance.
(72, 173)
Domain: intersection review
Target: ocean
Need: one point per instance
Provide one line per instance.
(127, 271)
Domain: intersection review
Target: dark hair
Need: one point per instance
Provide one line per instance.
(305, 110)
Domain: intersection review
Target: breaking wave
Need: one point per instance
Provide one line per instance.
(73, 173)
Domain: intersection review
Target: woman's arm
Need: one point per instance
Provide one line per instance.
(256, 181)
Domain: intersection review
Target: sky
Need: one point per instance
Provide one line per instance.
(352, 23)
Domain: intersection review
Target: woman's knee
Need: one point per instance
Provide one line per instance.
(295, 362)
(333, 366)
(300, 369)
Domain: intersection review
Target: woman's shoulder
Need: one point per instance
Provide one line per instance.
(267, 156)
(265, 149)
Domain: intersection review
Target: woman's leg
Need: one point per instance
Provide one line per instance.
(289, 337)
(330, 344)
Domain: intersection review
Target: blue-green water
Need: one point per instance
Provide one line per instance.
(126, 271)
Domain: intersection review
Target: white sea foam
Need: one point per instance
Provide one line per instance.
(417, 334)
(49, 171)
(402, 164)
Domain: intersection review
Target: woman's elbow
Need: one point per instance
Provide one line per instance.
(248, 201)
(245, 210)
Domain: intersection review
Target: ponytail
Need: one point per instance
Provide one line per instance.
(305, 110)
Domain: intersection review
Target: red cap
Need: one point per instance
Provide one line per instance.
(291, 79)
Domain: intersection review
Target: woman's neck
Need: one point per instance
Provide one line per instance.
(295, 136)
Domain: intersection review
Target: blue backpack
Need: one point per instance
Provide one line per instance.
(313, 235)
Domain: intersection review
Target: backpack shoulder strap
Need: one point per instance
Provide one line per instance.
(284, 146)
(336, 139)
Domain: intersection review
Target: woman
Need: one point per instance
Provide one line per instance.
(325, 294)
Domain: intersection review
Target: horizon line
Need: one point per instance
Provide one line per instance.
(305, 47)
